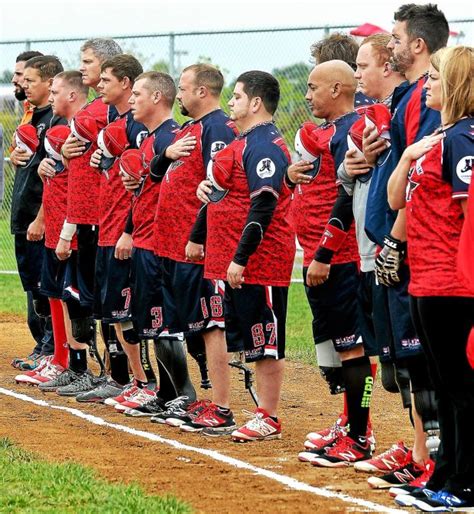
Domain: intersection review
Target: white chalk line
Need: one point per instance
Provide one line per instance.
(290, 482)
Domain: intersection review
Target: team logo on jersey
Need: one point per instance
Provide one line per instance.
(141, 137)
(464, 169)
(266, 168)
(217, 146)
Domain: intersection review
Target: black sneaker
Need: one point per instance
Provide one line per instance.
(408, 500)
(153, 407)
(174, 409)
(99, 394)
(84, 382)
(445, 501)
(65, 378)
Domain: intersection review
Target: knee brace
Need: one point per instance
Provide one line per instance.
(129, 333)
(41, 306)
(83, 329)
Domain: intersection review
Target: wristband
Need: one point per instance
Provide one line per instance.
(68, 231)
(332, 238)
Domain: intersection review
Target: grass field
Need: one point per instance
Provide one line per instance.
(29, 484)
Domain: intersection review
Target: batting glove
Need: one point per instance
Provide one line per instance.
(387, 264)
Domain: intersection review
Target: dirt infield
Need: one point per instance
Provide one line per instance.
(208, 485)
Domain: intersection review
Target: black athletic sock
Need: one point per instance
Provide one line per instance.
(140, 384)
(145, 360)
(118, 358)
(78, 360)
(359, 383)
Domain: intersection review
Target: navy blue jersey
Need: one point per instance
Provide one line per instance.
(411, 121)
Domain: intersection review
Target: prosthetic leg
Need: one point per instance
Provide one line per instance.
(173, 370)
(197, 350)
(238, 362)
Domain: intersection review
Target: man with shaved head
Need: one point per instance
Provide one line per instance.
(323, 216)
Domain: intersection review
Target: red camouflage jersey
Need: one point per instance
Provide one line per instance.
(54, 208)
(178, 203)
(436, 184)
(145, 200)
(312, 203)
(84, 181)
(260, 161)
(115, 201)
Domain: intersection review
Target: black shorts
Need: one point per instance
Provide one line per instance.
(191, 302)
(53, 274)
(80, 271)
(374, 318)
(29, 259)
(112, 289)
(405, 339)
(255, 321)
(147, 294)
(334, 307)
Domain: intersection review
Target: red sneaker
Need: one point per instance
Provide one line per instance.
(419, 482)
(392, 459)
(128, 391)
(140, 397)
(213, 420)
(344, 452)
(260, 427)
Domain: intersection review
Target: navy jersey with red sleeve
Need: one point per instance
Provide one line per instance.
(260, 161)
(313, 202)
(115, 201)
(84, 181)
(436, 184)
(411, 120)
(145, 201)
(178, 205)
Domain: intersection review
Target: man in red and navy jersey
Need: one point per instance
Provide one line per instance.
(152, 99)
(82, 215)
(419, 31)
(112, 266)
(323, 219)
(251, 244)
(193, 304)
(341, 47)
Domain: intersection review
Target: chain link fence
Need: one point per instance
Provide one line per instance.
(283, 52)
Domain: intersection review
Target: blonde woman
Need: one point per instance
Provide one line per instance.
(432, 181)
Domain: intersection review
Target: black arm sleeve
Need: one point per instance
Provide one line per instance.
(158, 166)
(129, 223)
(259, 217)
(199, 231)
(341, 217)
